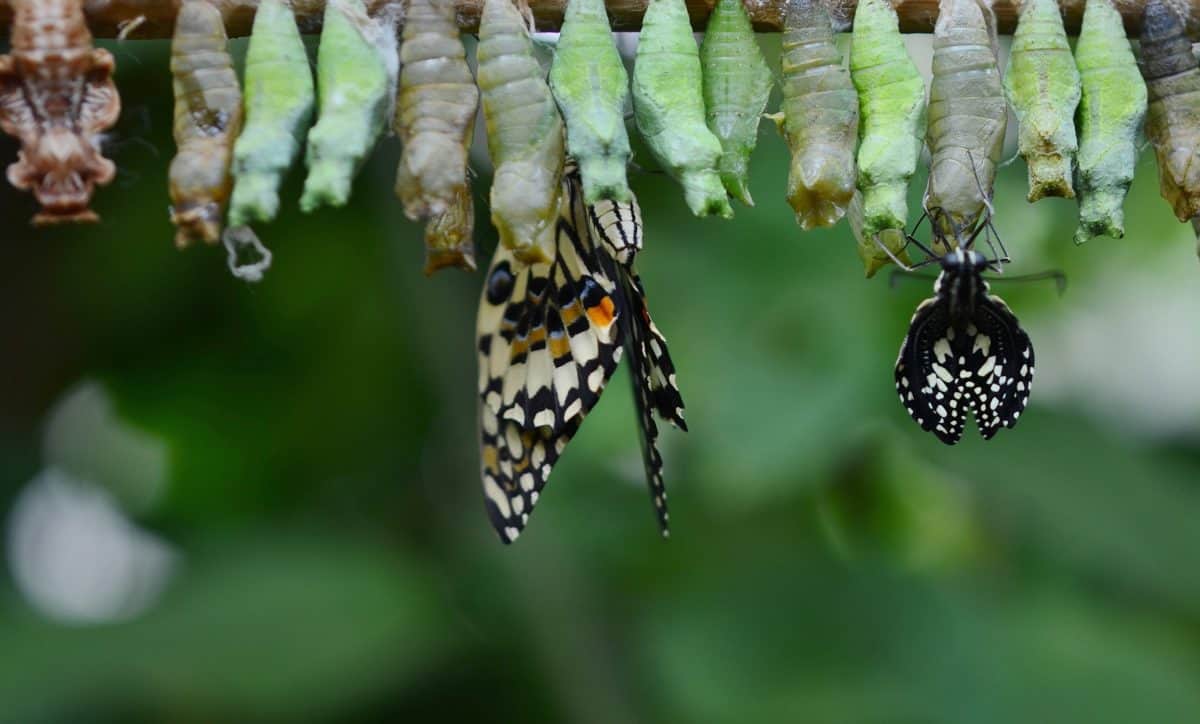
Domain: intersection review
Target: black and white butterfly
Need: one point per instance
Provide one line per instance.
(965, 353)
(550, 336)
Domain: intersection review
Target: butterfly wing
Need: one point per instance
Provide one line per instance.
(927, 372)
(1002, 361)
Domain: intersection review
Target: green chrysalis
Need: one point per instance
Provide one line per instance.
(525, 133)
(891, 100)
(449, 236)
(279, 101)
(669, 107)
(435, 111)
(1111, 110)
(1173, 115)
(967, 117)
(356, 78)
(591, 87)
(737, 84)
(870, 244)
(1042, 84)
(820, 116)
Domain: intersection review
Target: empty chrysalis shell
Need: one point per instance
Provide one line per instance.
(592, 87)
(820, 116)
(450, 236)
(208, 118)
(1173, 115)
(525, 134)
(1111, 109)
(891, 101)
(356, 83)
(435, 111)
(737, 84)
(967, 117)
(669, 107)
(1042, 84)
(279, 107)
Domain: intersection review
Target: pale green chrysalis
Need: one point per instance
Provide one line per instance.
(967, 117)
(592, 88)
(1110, 113)
(435, 111)
(820, 116)
(871, 244)
(356, 78)
(1042, 85)
(891, 129)
(669, 107)
(279, 100)
(525, 133)
(737, 84)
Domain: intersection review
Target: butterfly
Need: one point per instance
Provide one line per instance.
(550, 336)
(965, 352)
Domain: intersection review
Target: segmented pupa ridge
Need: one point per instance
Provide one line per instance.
(1111, 109)
(435, 111)
(208, 117)
(525, 133)
(967, 116)
(57, 96)
(820, 117)
(669, 107)
(1173, 115)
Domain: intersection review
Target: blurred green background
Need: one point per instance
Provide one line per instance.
(225, 502)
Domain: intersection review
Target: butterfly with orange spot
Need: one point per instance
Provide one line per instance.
(550, 337)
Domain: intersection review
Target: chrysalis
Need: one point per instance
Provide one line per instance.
(356, 86)
(525, 134)
(208, 117)
(737, 84)
(669, 107)
(891, 99)
(967, 116)
(279, 108)
(1111, 110)
(435, 112)
(57, 97)
(1173, 115)
(1042, 84)
(592, 88)
(876, 249)
(449, 236)
(820, 116)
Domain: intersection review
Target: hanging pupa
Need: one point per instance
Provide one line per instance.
(450, 236)
(1042, 84)
(737, 85)
(57, 97)
(592, 88)
(891, 100)
(668, 105)
(279, 99)
(356, 86)
(208, 118)
(525, 133)
(967, 117)
(1111, 109)
(435, 112)
(820, 116)
(1173, 115)
(875, 248)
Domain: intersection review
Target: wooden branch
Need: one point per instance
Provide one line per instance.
(107, 17)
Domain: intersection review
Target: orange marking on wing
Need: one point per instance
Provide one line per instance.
(602, 314)
(560, 347)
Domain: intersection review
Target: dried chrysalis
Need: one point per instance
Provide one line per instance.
(57, 97)
(357, 66)
(967, 117)
(669, 107)
(435, 112)
(208, 117)
(1042, 84)
(1111, 110)
(525, 133)
(1173, 115)
(279, 109)
(820, 116)
(450, 236)
(591, 86)
(891, 100)
(737, 85)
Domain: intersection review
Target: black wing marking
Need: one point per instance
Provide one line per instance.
(1005, 368)
(927, 372)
